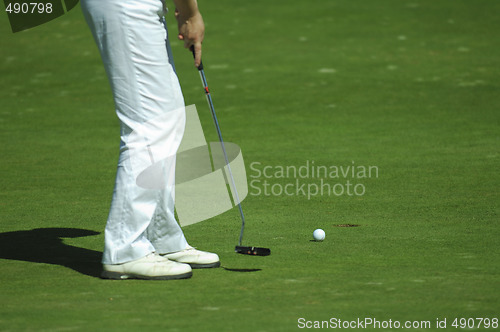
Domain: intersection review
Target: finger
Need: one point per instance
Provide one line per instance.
(197, 54)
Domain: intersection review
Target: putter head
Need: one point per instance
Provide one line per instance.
(255, 251)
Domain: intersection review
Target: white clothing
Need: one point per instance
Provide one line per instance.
(132, 39)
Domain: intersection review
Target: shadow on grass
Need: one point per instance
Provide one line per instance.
(241, 270)
(45, 245)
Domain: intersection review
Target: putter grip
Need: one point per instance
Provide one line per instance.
(200, 67)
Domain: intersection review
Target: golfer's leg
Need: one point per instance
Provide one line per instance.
(164, 231)
(131, 39)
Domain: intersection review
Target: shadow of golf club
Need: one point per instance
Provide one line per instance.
(241, 270)
(45, 245)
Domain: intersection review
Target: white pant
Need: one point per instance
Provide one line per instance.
(132, 39)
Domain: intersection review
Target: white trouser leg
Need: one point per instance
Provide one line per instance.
(132, 41)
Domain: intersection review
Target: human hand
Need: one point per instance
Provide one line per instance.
(191, 31)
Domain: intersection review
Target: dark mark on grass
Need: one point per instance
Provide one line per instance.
(346, 225)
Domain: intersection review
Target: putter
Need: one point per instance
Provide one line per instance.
(256, 251)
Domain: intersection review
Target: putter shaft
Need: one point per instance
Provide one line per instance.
(217, 127)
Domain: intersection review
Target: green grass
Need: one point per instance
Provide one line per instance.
(409, 87)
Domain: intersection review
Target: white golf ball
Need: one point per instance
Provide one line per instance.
(319, 234)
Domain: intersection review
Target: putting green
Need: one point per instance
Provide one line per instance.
(409, 88)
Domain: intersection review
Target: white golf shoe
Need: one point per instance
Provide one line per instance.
(196, 258)
(152, 266)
